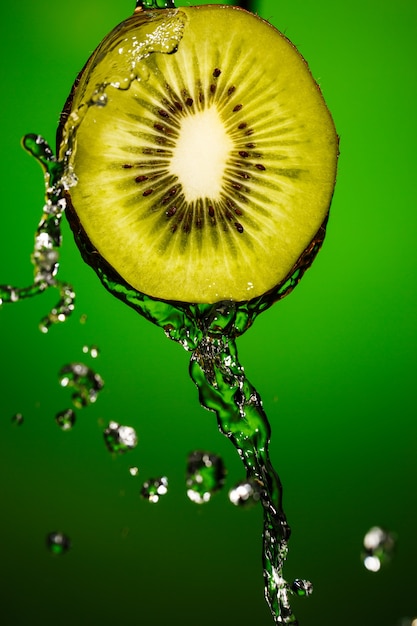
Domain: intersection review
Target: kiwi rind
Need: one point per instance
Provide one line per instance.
(118, 287)
(92, 255)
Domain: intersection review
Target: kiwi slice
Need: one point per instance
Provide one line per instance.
(200, 154)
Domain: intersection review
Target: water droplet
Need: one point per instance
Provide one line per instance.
(133, 471)
(83, 318)
(58, 543)
(379, 545)
(65, 419)
(245, 493)
(85, 382)
(119, 438)
(99, 98)
(18, 419)
(154, 488)
(205, 475)
(62, 310)
(301, 587)
(93, 351)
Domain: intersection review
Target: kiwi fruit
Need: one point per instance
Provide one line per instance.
(200, 156)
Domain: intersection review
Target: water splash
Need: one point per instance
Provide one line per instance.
(208, 331)
(205, 475)
(119, 439)
(85, 382)
(125, 55)
(65, 419)
(48, 239)
(58, 543)
(154, 488)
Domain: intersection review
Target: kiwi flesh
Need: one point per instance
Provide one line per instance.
(200, 154)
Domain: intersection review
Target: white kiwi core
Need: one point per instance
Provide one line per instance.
(200, 155)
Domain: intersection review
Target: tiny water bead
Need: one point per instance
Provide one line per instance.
(133, 471)
(17, 419)
(245, 494)
(92, 351)
(302, 587)
(205, 475)
(379, 546)
(58, 543)
(154, 488)
(65, 419)
(120, 439)
(154, 4)
(86, 383)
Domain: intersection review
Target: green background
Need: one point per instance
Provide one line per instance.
(335, 364)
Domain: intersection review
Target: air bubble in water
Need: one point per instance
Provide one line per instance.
(18, 419)
(205, 475)
(85, 382)
(154, 488)
(245, 493)
(58, 543)
(301, 587)
(65, 419)
(119, 438)
(379, 545)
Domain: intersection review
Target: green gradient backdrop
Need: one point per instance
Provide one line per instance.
(335, 364)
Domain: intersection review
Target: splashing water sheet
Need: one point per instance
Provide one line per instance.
(208, 332)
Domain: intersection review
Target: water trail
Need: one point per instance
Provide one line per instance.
(48, 239)
(224, 389)
(209, 332)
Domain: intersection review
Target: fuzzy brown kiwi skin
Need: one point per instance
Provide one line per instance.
(103, 269)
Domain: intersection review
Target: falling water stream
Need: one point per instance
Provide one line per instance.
(209, 333)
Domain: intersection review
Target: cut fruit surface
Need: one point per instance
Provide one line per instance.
(204, 154)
